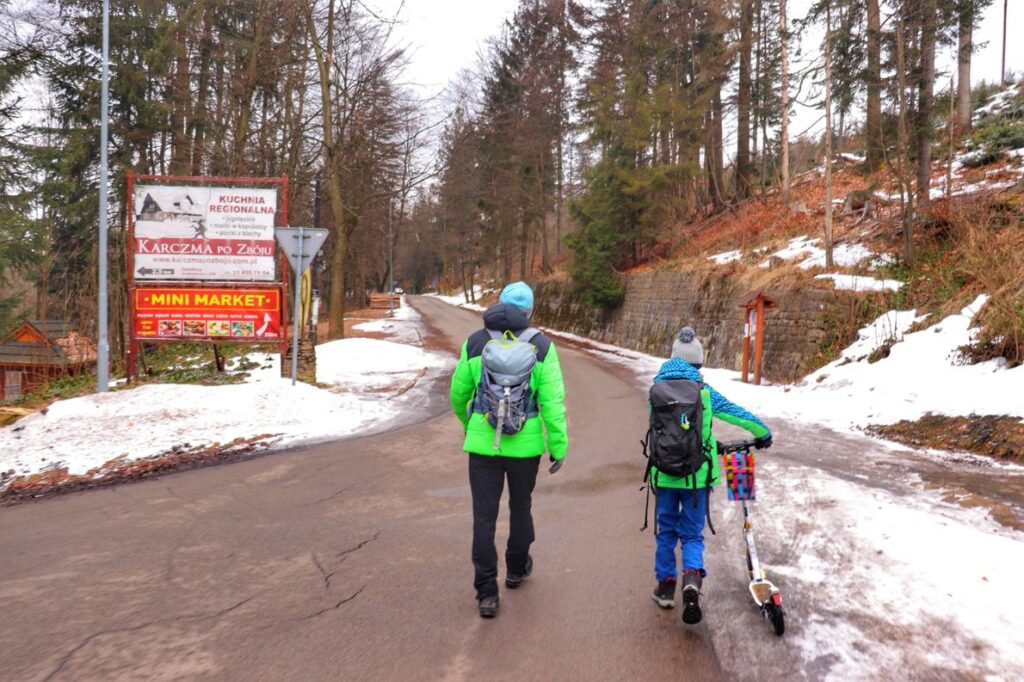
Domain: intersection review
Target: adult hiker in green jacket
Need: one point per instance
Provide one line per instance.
(516, 456)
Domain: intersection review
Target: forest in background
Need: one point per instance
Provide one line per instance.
(587, 130)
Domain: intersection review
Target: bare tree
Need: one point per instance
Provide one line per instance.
(902, 164)
(828, 135)
(743, 171)
(784, 132)
(873, 124)
(925, 100)
(965, 48)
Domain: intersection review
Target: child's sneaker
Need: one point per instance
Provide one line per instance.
(691, 597)
(665, 593)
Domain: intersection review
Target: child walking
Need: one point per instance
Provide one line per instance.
(682, 500)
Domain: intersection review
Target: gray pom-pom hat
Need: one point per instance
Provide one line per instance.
(688, 347)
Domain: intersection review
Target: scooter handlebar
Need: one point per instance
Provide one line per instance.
(737, 446)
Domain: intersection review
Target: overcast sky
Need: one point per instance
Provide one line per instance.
(445, 36)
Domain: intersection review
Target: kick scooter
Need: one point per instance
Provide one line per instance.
(739, 476)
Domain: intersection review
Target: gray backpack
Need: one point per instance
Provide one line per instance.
(504, 393)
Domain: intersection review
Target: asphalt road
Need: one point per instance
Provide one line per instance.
(351, 561)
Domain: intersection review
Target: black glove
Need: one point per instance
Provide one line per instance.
(763, 442)
(556, 464)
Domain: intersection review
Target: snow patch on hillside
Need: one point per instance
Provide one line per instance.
(805, 249)
(860, 283)
(998, 103)
(726, 257)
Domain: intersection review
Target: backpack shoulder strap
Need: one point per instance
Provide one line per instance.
(493, 334)
(528, 334)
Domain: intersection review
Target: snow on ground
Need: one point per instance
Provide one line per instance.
(868, 567)
(459, 300)
(726, 257)
(860, 283)
(811, 255)
(400, 330)
(1009, 176)
(361, 365)
(921, 374)
(368, 383)
(998, 103)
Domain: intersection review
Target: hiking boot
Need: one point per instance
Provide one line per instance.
(691, 597)
(665, 593)
(514, 580)
(488, 606)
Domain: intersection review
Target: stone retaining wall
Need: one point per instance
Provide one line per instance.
(657, 304)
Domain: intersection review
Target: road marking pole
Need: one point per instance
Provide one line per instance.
(293, 241)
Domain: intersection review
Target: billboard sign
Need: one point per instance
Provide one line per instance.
(198, 234)
(221, 314)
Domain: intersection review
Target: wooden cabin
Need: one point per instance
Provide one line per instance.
(38, 351)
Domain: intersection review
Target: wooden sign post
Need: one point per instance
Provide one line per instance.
(754, 304)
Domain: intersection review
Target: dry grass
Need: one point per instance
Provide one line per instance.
(767, 220)
(991, 253)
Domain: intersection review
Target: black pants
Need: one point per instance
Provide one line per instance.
(487, 481)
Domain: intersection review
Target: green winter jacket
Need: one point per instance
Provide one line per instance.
(545, 383)
(716, 406)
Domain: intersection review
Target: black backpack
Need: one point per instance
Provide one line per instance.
(675, 444)
(675, 440)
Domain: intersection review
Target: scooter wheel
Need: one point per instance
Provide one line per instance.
(777, 616)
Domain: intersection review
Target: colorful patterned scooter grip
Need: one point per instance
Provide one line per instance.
(739, 475)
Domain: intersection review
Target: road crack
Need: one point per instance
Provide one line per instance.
(336, 606)
(323, 572)
(326, 499)
(343, 554)
(142, 626)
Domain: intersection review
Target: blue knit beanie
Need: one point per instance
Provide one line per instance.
(518, 294)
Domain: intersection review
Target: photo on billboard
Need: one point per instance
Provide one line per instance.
(201, 234)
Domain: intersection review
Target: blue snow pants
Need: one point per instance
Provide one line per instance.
(680, 521)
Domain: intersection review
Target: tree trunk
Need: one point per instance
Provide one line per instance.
(784, 134)
(339, 257)
(1002, 67)
(248, 89)
(200, 117)
(715, 157)
(179, 107)
(925, 102)
(828, 137)
(903, 157)
(873, 125)
(743, 103)
(963, 61)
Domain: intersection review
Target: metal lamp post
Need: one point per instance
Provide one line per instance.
(103, 343)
